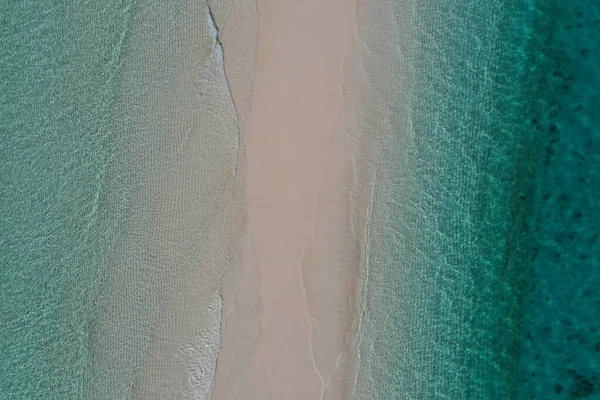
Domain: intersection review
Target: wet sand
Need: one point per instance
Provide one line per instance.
(290, 333)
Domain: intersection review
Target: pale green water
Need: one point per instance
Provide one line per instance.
(58, 63)
(115, 175)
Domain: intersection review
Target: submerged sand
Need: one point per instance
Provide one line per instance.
(157, 333)
(290, 333)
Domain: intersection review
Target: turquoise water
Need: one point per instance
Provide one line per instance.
(57, 64)
(115, 178)
(482, 234)
(483, 267)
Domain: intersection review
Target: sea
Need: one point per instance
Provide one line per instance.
(120, 202)
(483, 253)
(122, 206)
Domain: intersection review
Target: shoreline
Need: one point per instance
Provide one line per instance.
(159, 326)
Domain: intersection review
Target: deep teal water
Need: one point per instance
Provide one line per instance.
(559, 355)
(483, 269)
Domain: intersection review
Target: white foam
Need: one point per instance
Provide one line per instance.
(204, 352)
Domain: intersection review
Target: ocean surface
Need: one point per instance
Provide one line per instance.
(483, 251)
(119, 163)
(120, 201)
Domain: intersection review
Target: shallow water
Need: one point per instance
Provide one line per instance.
(58, 64)
(119, 149)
